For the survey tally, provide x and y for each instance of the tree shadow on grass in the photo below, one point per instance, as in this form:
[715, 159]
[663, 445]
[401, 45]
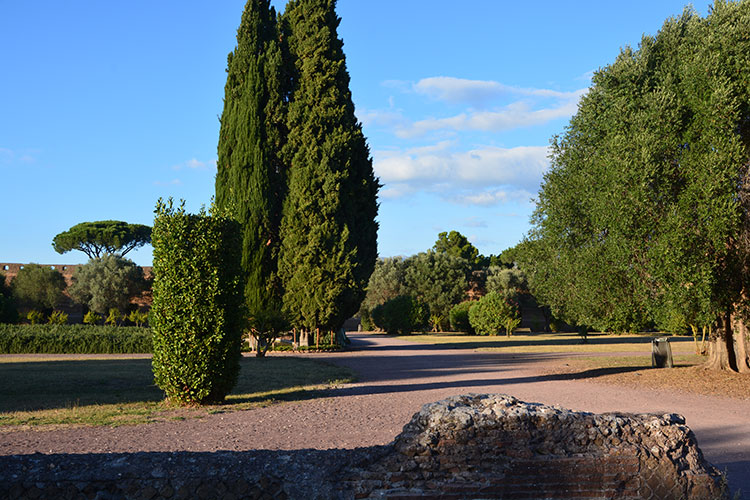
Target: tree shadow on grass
[29, 386]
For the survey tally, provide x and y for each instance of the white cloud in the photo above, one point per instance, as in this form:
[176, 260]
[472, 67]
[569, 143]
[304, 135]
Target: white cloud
[457, 90]
[492, 197]
[488, 106]
[195, 164]
[388, 118]
[516, 115]
[474, 222]
[437, 164]
[485, 176]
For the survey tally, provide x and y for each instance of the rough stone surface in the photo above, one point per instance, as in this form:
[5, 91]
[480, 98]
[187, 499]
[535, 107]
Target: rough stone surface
[494, 446]
[473, 446]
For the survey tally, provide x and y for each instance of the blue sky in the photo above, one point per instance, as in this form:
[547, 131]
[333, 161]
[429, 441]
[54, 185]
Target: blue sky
[105, 107]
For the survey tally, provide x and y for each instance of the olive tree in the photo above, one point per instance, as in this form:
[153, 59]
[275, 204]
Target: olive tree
[38, 287]
[106, 283]
[645, 210]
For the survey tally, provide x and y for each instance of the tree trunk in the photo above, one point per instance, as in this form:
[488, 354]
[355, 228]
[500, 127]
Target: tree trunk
[728, 347]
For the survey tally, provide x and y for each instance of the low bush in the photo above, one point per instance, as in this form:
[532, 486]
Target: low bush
[57, 318]
[91, 318]
[113, 317]
[35, 317]
[459, 317]
[493, 313]
[74, 339]
[365, 319]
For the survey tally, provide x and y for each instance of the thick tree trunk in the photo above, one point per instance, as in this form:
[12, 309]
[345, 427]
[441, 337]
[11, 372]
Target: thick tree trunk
[728, 348]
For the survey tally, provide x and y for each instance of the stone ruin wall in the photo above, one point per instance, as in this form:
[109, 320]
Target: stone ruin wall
[464, 447]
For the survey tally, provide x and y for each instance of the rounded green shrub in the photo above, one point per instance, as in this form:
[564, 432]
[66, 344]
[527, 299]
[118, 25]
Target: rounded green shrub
[493, 313]
[459, 317]
[198, 312]
[401, 315]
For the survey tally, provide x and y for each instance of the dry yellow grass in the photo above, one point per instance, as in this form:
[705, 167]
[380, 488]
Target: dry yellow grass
[688, 375]
[552, 342]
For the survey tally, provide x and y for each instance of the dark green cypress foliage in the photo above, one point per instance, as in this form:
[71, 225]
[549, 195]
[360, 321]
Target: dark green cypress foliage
[328, 230]
[249, 178]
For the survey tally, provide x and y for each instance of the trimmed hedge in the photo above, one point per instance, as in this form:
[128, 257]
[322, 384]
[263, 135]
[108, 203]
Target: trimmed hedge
[198, 314]
[74, 339]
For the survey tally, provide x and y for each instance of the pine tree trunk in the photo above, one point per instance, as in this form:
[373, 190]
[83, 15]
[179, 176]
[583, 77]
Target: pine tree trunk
[728, 349]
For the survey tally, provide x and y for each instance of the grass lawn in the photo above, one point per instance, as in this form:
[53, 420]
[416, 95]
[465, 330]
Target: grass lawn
[117, 390]
[551, 342]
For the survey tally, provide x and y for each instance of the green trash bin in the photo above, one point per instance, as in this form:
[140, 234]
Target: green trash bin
[661, 353]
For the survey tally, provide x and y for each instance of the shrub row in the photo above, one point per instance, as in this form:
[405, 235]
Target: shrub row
[74, 339]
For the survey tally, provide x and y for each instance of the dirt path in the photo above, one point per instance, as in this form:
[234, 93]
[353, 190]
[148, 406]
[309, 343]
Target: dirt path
[395, 379]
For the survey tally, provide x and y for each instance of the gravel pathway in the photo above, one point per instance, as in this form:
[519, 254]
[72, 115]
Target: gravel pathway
[395, 378]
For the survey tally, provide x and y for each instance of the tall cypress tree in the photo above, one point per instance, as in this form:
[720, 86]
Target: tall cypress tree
[250, 173]
[328, 229]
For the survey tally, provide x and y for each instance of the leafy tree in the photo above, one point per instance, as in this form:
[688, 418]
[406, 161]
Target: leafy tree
[459, 317]
[646, 208]
[494, 312]
[8, 311]
[457, 245]
[265, 327]
[38, 287]
[386, 282]
[328, 229]
[400, 315]
[198, 315]
[106, 283]
[438, 279]
[511, 281]
[250, 170]
[100, 238]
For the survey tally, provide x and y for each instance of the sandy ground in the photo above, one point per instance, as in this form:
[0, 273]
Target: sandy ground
[395, 379]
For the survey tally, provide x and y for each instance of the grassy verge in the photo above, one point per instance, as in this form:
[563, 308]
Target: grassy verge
[688, 375]
[551, 342]
[47, 391]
